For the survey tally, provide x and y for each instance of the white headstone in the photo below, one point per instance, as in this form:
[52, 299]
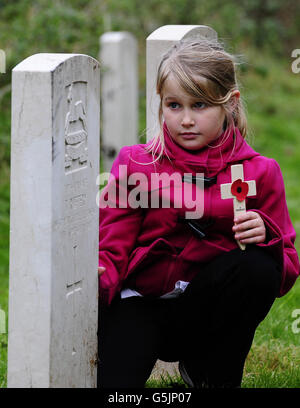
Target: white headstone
[53, 287]
[158, 43]
[119, 93]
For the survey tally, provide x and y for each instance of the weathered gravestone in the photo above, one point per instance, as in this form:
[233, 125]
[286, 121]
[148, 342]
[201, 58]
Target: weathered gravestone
[119, 94]
[158, 43]
[53, 287]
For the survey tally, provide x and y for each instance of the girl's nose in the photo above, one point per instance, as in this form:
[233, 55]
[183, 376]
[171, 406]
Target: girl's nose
[187, 119]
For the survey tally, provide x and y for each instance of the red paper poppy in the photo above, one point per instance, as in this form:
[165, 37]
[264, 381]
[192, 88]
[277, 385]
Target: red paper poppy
[239, 189]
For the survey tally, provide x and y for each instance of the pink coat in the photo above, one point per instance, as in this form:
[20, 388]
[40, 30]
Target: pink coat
[149, 249]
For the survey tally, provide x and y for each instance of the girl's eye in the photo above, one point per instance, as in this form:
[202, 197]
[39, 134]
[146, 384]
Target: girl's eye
[200, 105]
[174, 105]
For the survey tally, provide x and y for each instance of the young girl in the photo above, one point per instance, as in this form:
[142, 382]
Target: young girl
[181, 289]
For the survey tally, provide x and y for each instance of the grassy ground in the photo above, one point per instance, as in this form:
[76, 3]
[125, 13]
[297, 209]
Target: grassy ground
[272, 94]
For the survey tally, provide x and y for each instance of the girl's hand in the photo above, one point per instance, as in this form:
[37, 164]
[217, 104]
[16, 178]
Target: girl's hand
[101, 270]
[249, 228]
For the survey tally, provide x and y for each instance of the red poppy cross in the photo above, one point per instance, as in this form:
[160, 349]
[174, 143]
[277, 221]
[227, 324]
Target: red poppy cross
[238, 189]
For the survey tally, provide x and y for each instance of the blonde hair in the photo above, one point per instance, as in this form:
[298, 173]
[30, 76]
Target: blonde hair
[206, 71]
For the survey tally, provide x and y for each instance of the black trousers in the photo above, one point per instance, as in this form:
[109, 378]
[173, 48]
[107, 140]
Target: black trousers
[210, 327]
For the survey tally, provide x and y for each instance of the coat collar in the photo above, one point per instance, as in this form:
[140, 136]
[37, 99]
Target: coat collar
[229, 147]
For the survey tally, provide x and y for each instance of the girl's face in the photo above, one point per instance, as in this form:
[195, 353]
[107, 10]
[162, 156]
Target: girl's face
[191, 123]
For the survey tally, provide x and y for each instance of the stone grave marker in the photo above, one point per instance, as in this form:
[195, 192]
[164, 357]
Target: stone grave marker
[119, 94]
[53, 283]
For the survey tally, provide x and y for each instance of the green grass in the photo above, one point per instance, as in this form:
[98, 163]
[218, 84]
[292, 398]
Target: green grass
[271, 365]
[272, 94]
[166, 381]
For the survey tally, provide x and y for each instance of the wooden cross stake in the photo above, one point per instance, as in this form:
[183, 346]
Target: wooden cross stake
[239, 205]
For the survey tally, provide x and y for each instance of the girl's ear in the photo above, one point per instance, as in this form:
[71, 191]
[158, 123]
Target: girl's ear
[234, 99]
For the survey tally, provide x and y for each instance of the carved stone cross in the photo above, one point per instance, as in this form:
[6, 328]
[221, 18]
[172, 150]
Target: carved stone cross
[238, 190]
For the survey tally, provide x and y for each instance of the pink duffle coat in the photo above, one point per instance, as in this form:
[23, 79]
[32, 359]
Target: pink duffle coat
[149, 249]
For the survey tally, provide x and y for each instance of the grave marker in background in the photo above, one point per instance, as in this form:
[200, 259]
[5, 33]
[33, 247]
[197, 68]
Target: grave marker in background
[53, 287]
[119, 93]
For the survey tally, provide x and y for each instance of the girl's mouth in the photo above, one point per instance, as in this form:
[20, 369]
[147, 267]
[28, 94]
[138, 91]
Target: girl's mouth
[188, 135]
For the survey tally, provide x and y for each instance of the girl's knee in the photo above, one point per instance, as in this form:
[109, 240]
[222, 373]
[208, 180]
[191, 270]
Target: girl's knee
[260, 270]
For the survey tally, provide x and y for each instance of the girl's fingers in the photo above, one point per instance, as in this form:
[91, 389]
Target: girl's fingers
[253, 240]
[249, 233]
[249, 215]
[246, 225]
[101, 270]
